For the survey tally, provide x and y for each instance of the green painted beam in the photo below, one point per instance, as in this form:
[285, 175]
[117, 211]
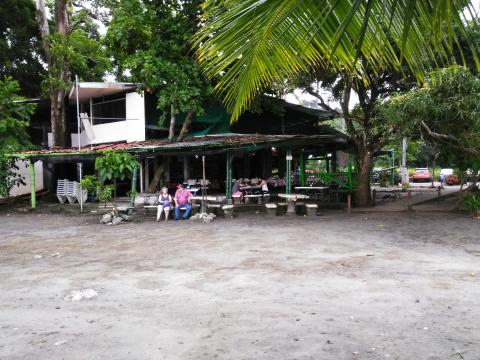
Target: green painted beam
[33, 194]
[134, 187]
[228, 180]
[288, 172]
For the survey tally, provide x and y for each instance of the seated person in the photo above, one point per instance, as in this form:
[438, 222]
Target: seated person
[264, 186]
[164, 204]
[183, 198]
[236, 192]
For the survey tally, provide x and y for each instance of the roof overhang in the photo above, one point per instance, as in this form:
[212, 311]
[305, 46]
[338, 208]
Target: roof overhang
[89, 90]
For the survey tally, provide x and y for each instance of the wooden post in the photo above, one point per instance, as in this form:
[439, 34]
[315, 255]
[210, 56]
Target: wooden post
[228, 180]
[288, 172]
[349, 203]
[33, 194]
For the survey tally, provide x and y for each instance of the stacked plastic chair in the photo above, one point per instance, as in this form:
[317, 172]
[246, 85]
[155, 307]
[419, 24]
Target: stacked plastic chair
[71, 191]
[62, 190]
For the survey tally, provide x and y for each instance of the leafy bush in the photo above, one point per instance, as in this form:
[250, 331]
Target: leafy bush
[115, 165]
[9, 178]
[472, 201]
[93, 185]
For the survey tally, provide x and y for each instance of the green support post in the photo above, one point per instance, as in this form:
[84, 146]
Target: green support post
[393, 168]
[288, 171]
[228, 180]
[33, 195]
[302, 169]
[134, 187]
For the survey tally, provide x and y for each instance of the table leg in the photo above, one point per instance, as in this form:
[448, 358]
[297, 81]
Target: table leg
[291, 207]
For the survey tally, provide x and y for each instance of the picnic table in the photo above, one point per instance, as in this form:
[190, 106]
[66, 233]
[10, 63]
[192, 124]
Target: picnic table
[250, 189]
[314, 190]
[291, 201]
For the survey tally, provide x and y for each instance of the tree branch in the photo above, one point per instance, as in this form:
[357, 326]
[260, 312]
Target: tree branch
[322, 104]
[447, 138]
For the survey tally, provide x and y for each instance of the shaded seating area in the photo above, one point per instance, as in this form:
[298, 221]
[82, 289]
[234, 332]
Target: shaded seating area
[263, 166]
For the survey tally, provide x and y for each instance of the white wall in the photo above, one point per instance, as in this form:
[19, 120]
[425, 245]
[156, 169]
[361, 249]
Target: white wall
[25, 173]
[135, 106]
[129, 130]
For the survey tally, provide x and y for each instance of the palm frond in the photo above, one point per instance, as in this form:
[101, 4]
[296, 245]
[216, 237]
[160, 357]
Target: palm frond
[250, 44]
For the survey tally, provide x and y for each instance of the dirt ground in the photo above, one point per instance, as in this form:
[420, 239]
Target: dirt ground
[376, 286]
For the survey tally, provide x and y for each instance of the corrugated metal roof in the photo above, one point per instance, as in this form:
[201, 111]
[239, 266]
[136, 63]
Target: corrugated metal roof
[208, 142]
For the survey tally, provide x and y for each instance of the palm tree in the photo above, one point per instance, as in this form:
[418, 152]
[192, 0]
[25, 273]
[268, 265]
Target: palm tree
[251, 44]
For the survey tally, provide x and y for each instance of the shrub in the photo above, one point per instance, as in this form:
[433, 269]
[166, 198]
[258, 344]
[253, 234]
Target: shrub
[472, 202]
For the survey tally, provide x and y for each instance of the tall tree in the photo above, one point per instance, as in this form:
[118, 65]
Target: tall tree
[256, 43]
[68, 48]
[20, 47]
[368, 132]
[151, 41]
[446, 111]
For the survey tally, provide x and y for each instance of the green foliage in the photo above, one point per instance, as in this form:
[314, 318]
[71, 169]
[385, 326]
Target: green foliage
[151, 39]
[14, 120]
[104, 192]
[89, 183]
[9, 178]
[14, 117]
[472, 202]
[20, 47]
[84, 55]
[253, 44]
[446, 111]
[115, 165]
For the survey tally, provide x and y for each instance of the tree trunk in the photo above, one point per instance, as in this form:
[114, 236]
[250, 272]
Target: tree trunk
[171, 130]
[362, 196]
[57, 92]
[185, 126]
[156, 178]
[57, 117]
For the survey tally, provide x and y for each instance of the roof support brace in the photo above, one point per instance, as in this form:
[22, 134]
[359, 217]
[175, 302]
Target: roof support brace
[228, 180]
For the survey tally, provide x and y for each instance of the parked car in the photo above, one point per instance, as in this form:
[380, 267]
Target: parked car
[452, 180]
[421, 175]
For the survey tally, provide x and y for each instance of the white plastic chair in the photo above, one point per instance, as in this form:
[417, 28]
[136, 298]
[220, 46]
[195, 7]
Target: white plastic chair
[62, 190]
[71, 191]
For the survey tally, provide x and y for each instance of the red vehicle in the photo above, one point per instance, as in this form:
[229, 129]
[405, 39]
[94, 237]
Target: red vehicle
[421, 175]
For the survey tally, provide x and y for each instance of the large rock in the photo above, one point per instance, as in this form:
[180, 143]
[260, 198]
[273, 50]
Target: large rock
[106, 218]
[116, 220]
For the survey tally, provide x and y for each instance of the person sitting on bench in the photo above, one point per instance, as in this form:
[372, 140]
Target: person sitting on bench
[264, 185]
[164, 204]
[183, 198]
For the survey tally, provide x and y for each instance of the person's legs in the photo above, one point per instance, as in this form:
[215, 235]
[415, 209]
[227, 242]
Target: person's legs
[167, 211]
[159, 211]
[177, 212]
[188, 208]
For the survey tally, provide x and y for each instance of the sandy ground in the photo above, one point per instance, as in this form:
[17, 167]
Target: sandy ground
[376, 286]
